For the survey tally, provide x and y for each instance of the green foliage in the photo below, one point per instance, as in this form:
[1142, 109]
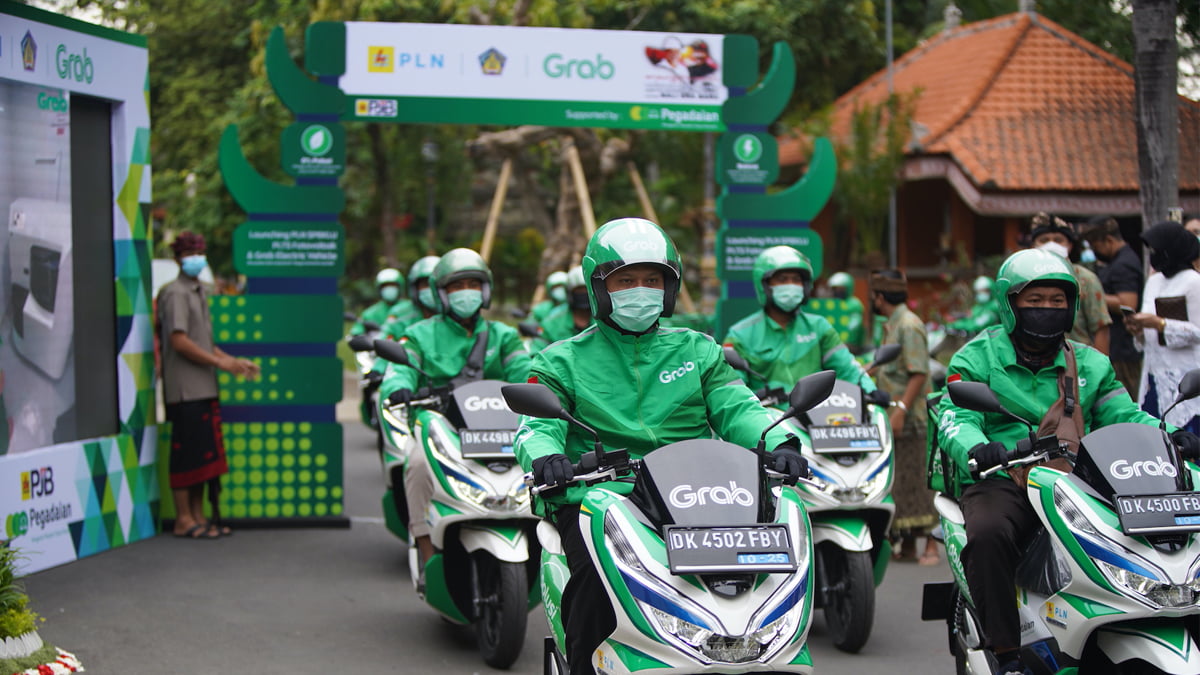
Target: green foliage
[17, 619]
[12, 592]
[47, 654]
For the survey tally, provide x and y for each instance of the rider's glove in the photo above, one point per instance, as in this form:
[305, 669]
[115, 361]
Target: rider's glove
[988, 455]
[1189, 444]
[879, 397]
[374, 378]
[553, 470]
[400, 396]
[786, 460]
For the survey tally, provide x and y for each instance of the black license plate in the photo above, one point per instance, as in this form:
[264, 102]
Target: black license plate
[1151, 514]
[846, 438]
[486, 442]
[749, 548]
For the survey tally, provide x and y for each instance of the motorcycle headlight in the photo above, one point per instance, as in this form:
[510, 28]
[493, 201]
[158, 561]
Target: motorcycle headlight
[685, 630]
[767, 634]
[1153, 590]
[467, 491]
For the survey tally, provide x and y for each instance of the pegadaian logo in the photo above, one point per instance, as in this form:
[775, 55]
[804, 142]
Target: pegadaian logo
[1124, 469]
[477, 403]
[558, 66]
[669, 376]
[684, 497]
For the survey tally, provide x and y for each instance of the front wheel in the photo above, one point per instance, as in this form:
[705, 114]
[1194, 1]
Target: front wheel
[501, 609]
[849, 587]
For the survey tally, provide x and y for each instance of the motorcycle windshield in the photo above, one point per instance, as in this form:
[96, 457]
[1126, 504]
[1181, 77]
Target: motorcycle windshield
[1127, 459]
[701, 482]
[479, 405]
[844, 406]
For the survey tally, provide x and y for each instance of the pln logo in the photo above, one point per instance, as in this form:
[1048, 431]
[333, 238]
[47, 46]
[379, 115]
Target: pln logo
[381, 59]
[28, 52]
[492, 62]
[37, 483]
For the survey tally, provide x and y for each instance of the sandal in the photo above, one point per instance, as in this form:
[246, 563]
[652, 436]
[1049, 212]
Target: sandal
[197, 531]
[217, 530]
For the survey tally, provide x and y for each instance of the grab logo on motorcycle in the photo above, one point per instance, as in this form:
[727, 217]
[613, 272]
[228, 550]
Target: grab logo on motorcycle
[669, 376]
[838, 400]
[477, 403]
[684, 497]
[1123, 469]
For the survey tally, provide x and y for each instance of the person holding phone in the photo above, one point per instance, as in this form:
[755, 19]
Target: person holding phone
[1122, 279]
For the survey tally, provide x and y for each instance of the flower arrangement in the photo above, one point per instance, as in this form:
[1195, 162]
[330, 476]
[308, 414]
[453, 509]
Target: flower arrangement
[22, 651]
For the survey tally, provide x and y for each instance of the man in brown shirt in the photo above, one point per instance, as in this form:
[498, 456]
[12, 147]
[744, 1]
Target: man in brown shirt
[189, 363]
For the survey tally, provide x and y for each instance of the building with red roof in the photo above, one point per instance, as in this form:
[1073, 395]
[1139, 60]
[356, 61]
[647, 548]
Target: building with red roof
[1014, 115]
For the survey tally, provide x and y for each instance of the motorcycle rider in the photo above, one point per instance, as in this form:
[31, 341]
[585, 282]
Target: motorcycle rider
[556, 296]
[389, 283]
[1053, 234]
[984, 312]
[440, 347]
[841, 285]
[640, 386]
[1021, 361]
[421, 303]
[573, 316]
[783, 343]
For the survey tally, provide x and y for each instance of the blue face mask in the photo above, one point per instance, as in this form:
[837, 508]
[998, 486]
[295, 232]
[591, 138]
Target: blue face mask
[636, 309]
[1087, 255]
[787, 296]
[425, 297]
[558, 294]
[389, 293]
[193, 265]
[466, 302]
[982, 297]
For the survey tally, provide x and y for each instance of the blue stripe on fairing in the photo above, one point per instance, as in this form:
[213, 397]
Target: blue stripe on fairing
[1100, 553]
[788, 603]
[450, 471]
[642, 592]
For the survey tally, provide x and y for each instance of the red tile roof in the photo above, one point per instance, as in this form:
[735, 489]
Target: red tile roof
[1021, 103]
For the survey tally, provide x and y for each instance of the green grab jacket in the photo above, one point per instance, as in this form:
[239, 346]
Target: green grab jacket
[541, 310]
[376, 313]
[990, 358]
[439, 345]
[405, 311]
[983, 314]
[785, 354]
[559, 324]
[641, 393]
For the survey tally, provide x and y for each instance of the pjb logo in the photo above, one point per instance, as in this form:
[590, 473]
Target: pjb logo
[37, 483]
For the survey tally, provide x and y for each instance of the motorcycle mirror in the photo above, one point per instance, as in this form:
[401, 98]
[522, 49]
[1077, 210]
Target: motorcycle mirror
[738, 362]
[886, 354]
[1189, 388]
[349, 316]
[361, 343]
[979, 397]
[518, 313]
[371, 326]
[529, 329]
[537, 400]
[390, 350]
[811, 390]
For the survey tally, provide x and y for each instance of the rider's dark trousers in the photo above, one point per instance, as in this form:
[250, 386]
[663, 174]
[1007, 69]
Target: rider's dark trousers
[587, 615]
[999, 522]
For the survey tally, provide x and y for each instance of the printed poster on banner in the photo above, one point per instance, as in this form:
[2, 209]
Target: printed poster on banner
[632, 79]
[39, 502]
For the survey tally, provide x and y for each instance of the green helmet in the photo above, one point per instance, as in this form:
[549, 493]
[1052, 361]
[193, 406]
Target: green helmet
[777, 258]
[389, 275]
[461, 263]
[421, 269]
[982, 284]
[841, 280]
[558, 278]
[575, 277]
[629, 241]
[1039, 268]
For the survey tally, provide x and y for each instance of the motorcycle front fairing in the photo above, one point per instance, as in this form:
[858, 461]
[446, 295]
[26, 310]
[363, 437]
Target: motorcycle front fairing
[721, 622]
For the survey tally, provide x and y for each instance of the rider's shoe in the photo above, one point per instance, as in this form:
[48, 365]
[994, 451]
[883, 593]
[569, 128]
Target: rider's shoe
[1014, 667]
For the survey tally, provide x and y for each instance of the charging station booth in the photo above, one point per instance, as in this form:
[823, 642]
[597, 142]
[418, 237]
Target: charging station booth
[77, 429]
[282, 438]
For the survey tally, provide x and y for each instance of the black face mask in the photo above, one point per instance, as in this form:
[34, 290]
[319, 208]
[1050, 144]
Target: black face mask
[1042, 328]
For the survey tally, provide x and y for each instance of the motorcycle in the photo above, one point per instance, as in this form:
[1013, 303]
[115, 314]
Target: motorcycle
[480, 522]
[852, 511]
[1111, 583]
[705, 574]
[364, 357]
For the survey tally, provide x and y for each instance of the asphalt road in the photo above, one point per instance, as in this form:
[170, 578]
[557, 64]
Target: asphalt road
[301, 601]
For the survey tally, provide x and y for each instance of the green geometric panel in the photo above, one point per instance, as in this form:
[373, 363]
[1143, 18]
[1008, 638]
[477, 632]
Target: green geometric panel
[283, 470]
[276, 318]
[293, 380]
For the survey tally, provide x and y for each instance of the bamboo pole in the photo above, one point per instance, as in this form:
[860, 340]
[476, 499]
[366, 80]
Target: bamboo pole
[493, 221]
[581, 191]
[649, 213]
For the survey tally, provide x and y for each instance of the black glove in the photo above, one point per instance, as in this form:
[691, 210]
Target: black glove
[1189, 444]
[879, 397]
[374, 378]
[787, 461]
[988, 455]
[400, 396]
[553, 470]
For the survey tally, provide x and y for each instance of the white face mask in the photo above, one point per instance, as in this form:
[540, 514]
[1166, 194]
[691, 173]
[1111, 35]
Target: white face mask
[1056, 248]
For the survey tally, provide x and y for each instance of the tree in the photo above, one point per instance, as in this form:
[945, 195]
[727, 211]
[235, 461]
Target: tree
[1155, 64]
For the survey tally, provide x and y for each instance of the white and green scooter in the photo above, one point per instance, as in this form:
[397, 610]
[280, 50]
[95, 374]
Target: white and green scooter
[850, 503]
[707, 564]
[1112, 583]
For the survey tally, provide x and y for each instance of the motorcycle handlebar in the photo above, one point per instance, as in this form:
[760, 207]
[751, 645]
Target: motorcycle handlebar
[973, 466]
[609, 474]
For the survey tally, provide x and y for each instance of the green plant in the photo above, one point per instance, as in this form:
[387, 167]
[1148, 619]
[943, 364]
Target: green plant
[15, 617]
